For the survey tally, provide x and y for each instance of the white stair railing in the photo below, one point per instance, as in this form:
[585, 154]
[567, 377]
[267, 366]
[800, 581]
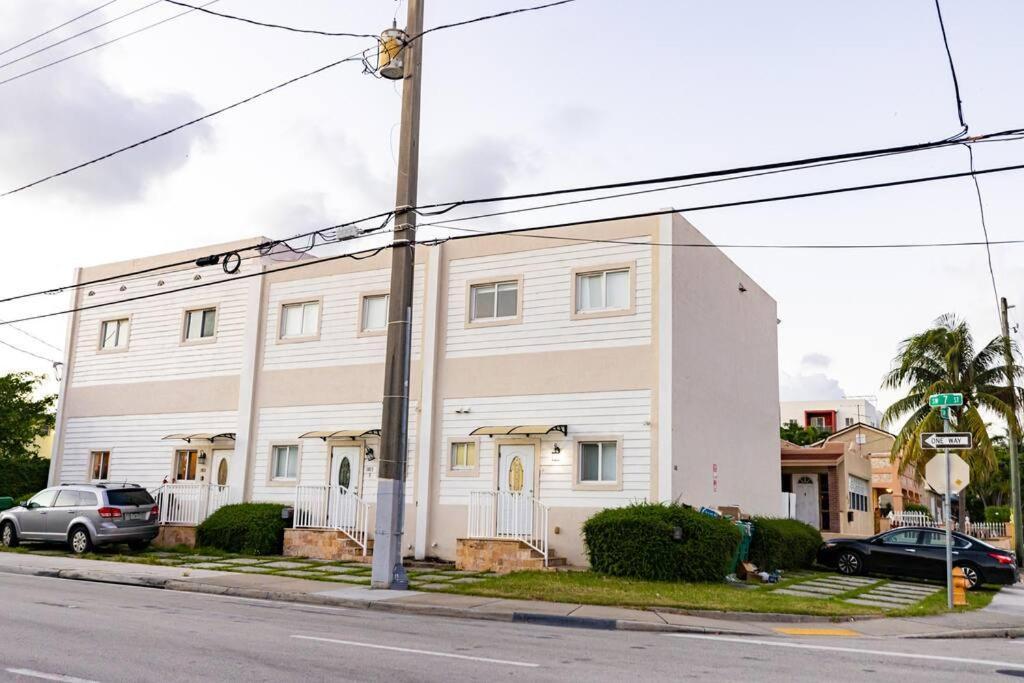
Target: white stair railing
[333, 507]
[190, 504]
[509, 515]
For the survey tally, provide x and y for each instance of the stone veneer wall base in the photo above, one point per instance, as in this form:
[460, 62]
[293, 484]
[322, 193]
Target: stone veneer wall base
[323, 544]
[172, 536]
[495, 555]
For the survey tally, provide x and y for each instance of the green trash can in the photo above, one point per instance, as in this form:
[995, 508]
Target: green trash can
[6, 502]
[746, 533]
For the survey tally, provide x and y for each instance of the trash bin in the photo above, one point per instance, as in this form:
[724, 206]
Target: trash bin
[746, 533]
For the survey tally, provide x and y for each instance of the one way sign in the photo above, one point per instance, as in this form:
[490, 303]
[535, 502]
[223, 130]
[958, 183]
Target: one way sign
[954, 441]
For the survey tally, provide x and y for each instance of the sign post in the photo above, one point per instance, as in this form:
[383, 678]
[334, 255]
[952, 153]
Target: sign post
[947, 440]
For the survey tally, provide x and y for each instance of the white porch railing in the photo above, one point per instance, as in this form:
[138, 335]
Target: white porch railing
[912, 519]
[980, 530]
[987, 530]
[507, 515]
[190, 504]
[333, 507]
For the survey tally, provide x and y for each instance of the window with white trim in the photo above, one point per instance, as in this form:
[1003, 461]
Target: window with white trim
[99, 465]
[858, 493]
[114, 334]
[375, 312]
[200, 324]
[606, 290]
[463, 456]
[494, 300]
[300, 320]
[186, 464]
[598, 462]
[284, 465]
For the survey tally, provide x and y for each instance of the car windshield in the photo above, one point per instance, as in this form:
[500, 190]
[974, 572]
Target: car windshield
[129, 497]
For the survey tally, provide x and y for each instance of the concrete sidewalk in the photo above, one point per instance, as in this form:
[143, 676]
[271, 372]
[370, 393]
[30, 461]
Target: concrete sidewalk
[1004, 618]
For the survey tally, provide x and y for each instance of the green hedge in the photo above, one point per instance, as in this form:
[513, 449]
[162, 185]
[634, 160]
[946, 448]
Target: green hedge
[248, 528]
[637, 541]
[917, 507]
[997, 513]
[22, 477]
[783, 544]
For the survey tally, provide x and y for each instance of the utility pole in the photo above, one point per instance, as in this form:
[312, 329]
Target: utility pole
[1014, 464]
[947, 505]
[387, 550]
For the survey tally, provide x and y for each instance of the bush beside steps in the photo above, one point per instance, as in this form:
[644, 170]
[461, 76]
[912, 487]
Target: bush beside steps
[246, 528]
[660, 542]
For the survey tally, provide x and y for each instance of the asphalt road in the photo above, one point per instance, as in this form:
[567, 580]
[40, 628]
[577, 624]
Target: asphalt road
[54, 629]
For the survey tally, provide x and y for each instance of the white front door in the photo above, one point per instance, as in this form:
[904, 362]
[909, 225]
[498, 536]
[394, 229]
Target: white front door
[515, 489]
[805, 487]
[219, 479]
[346, 468]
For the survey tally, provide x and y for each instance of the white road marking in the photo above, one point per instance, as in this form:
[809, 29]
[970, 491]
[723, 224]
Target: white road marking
[392, 648]
[48, 677]
[854, 650]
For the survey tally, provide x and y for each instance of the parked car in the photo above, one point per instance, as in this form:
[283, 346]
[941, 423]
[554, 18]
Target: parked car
[920, 552]
[83, 516]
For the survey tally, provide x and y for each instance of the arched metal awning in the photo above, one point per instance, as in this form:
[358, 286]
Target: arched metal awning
[188, 437]
[351, 434]
[519, 430]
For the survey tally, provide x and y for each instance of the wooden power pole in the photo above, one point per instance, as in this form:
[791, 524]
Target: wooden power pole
[1014, 434]
[387, 549]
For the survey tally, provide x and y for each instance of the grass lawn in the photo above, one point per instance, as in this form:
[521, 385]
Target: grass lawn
[596, 589]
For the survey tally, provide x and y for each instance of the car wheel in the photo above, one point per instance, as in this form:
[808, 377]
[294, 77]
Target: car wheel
[972, 575]
[850, 563]
[79, 540]
[138, 545]
[8, 536]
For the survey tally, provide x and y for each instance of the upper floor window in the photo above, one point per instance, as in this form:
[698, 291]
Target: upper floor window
[300, 320]
[99, 466]
[114, 334]
[374, 317]
[604, 291]
[494, 301]
[200, 324]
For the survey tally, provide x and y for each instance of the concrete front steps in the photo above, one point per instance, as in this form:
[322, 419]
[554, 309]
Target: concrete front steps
[502, 555]
[325, 544]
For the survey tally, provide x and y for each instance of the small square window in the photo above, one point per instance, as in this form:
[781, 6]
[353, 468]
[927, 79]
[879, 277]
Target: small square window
[186, 464]
[375, 313]
[598, 462]
[285, 465]
[463, 456]
[300, 320]
[99, 466]
[114, 334]
[606, 290]
[494, 301]
[200, 324]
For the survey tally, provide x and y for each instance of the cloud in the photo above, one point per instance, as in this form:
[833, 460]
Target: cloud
[481, 168]
[815, 361]
[68, 114]
[808, 387]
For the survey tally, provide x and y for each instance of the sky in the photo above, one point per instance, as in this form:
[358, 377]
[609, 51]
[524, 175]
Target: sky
[590, 92]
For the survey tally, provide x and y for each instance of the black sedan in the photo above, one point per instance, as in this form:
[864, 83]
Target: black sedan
[920, 552]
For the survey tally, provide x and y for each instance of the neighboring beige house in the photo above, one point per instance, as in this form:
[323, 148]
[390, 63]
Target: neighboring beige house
[552, 376]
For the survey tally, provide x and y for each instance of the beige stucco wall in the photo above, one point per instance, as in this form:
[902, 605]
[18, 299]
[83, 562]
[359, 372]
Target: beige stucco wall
[726, 386]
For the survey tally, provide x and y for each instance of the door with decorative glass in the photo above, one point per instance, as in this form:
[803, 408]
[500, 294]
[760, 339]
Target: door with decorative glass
[515, 489]
[346, 466]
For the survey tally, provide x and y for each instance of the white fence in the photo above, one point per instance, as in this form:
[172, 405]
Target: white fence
[190, 504]
[332, 507]
[507, 515]
[980, 530]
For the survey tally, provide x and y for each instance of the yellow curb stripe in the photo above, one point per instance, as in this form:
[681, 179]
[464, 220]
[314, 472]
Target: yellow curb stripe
[817, 631]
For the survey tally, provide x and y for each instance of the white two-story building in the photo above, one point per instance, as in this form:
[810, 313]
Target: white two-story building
[552, 376]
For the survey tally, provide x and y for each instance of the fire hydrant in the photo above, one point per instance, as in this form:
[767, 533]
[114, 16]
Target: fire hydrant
[960, 586]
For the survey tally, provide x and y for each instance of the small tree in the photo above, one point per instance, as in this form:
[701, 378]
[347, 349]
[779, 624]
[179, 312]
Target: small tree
[801, 436]
[22, 417]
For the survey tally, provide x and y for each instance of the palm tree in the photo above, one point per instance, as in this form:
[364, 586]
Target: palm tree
[943, 360]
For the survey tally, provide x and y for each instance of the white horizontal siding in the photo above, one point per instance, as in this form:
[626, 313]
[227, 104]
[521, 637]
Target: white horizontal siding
[137, 452]
[155, 351]
[619, 414]
[339, 342]
[547, 324]
[282, 426]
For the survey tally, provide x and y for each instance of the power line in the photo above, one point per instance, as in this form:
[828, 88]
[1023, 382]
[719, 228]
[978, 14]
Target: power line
[277, 26]
[99, 45]
[34, 355]
[507, 13]
[38, 339]
[58, 26]
[952, 70]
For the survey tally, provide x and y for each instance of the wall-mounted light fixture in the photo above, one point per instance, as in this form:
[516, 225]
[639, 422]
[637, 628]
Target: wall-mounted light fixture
[370, 457]
[202, 457]
[556, 450]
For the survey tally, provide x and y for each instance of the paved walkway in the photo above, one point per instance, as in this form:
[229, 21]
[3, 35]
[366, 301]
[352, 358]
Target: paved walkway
[1006, 617]
[860, 590]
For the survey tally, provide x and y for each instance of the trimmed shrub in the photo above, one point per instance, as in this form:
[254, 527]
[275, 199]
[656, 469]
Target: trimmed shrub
[997, 513]
[248, 528]
[783, 544]
[917, 507]
[638, 542]
[22, 477]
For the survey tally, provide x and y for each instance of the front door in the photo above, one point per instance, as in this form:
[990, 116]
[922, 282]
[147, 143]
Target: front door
[346, 467]
[515, 489]
[221, 468]
[806, 490]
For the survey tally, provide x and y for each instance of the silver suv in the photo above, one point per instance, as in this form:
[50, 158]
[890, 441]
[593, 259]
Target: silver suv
[84, 516]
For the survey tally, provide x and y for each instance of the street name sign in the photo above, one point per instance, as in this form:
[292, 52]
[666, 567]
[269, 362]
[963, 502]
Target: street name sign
[959, 473]
[955, 441]
[937, 400]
